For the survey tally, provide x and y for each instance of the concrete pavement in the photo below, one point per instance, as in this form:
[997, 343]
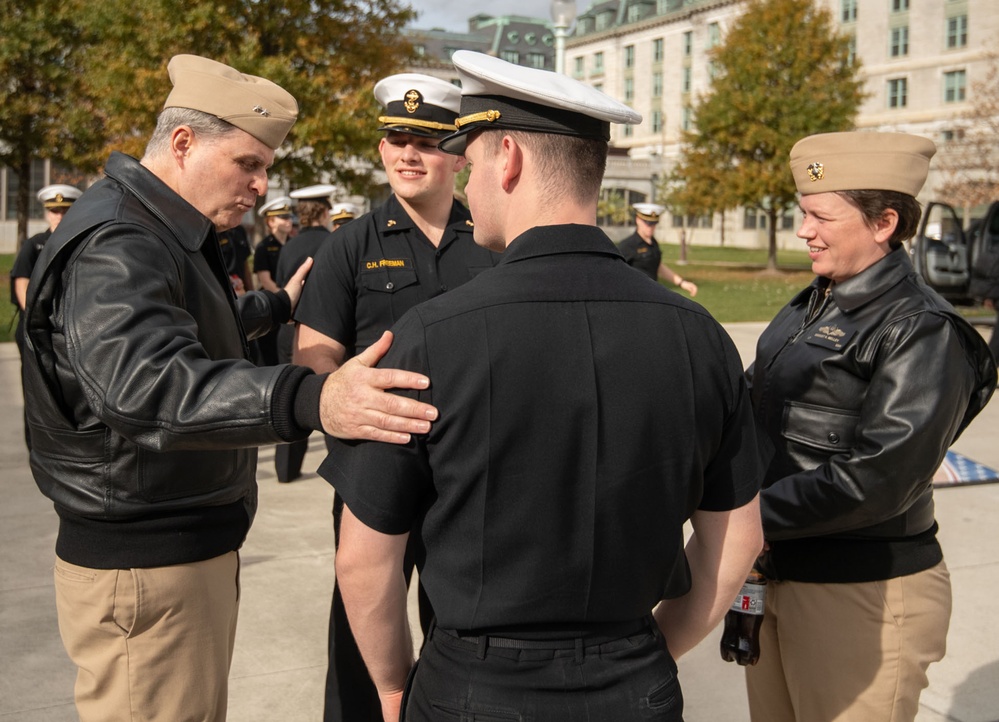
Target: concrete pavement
[287, 577]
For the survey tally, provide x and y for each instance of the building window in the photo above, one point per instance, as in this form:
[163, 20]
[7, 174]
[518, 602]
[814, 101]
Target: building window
[657, 121]
[449, 52]
[712, 69]
[899, 6]
[954, 86]
[420, 50]
[629, 131]
[598, 63]
[787, 221]
[851, 53]
[634, 13]
[629, 90]
[688, 43]
[957, 31]
[604, 20]
[749, 219]
[899, 41]
[686, 79]
[578, 67]
[688, 117]
[536, 60]
[513, 36]
[714, 35]
[657, 50]
[629, 56]
[952, 135]
[511, 56]
[531, 38]
[848, 11]
[657, 85]
[898, 92]
[598, 86]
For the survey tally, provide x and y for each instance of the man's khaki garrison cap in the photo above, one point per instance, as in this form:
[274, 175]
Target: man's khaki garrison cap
[860, 161]
[263, 109]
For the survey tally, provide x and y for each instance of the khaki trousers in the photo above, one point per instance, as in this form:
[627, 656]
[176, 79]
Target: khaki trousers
[849, 652]
[150, 644]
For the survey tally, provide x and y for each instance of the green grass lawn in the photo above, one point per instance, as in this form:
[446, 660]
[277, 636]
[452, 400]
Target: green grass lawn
[732, 283]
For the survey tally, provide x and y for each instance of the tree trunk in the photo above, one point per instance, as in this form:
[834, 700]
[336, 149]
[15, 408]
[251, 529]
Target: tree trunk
[23, 173]
[772, 239]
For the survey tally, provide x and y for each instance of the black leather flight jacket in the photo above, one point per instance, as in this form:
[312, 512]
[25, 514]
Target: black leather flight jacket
[140, 398]
[861, 387]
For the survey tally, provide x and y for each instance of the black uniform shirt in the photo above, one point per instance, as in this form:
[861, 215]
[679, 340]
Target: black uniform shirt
[555, 484]
[265, 257]
[646, 257]
[307, 243]
[381, 266]
[24, 262]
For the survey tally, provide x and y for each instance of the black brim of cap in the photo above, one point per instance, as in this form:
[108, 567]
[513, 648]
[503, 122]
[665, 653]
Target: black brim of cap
[456, 142]
[415, 130]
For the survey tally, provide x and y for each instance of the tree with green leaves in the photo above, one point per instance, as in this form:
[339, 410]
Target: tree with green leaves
[782, 73]
[45, 107]
[327, 53]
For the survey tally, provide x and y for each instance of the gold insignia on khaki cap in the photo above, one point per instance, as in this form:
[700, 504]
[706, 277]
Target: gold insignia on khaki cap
[256, 105]
[649, 212]
[861, 161]
[58, 196]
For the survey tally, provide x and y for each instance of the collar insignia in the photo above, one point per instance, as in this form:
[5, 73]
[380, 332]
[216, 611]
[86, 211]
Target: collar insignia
[469, 224]
[390, 222]
[262, 111]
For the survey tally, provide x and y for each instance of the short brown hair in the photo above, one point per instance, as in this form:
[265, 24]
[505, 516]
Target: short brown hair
[873, 204]
[311, 212]
[568, 165]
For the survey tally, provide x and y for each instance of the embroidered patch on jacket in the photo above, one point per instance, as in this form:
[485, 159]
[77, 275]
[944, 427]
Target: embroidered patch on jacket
[830, 335]
[374, 265]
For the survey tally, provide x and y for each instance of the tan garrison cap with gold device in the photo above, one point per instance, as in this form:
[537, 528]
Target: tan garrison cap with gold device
[855, 161]
[263, 109]
[418, 104]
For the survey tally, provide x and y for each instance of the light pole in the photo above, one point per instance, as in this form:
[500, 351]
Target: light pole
[563, 16]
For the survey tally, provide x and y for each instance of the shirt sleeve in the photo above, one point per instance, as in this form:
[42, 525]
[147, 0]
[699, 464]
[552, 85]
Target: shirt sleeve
[738, 458]
[386, 485]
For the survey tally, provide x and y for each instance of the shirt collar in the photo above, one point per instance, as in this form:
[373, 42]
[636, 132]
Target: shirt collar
[554, 240]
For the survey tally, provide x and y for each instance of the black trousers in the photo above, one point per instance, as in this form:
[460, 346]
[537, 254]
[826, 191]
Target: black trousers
[350, 694]
[500, 679]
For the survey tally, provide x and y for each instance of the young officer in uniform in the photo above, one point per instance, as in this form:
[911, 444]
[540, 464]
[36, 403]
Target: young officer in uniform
[415, 246]
[342, 214]
[313, 207]
[641, 250]
[550, 530]
[277, 217]
[56, 199]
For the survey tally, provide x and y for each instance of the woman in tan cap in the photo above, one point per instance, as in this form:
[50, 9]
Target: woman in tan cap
[861, 383]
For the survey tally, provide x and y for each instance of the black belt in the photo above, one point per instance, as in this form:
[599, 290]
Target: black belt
[586, 636]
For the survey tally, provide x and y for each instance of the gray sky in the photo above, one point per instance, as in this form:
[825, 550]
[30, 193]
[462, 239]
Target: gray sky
[452, 15]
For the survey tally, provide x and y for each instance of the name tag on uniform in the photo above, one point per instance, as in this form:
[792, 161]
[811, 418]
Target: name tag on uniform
[830, 335]
[388, 263]
[642, 250]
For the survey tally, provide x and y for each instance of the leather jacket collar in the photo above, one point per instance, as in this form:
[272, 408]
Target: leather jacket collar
[187, 224]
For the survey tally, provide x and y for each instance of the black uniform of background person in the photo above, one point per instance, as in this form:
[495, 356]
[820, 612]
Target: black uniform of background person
[288, 458]
[235, 244]
[56, 200]
[277, 216]
[550, 528]
[645, 254]
[265, 258]
[415, 246]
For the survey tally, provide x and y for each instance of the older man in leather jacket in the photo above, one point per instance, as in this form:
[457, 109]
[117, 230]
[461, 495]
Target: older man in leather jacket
[146, 408]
